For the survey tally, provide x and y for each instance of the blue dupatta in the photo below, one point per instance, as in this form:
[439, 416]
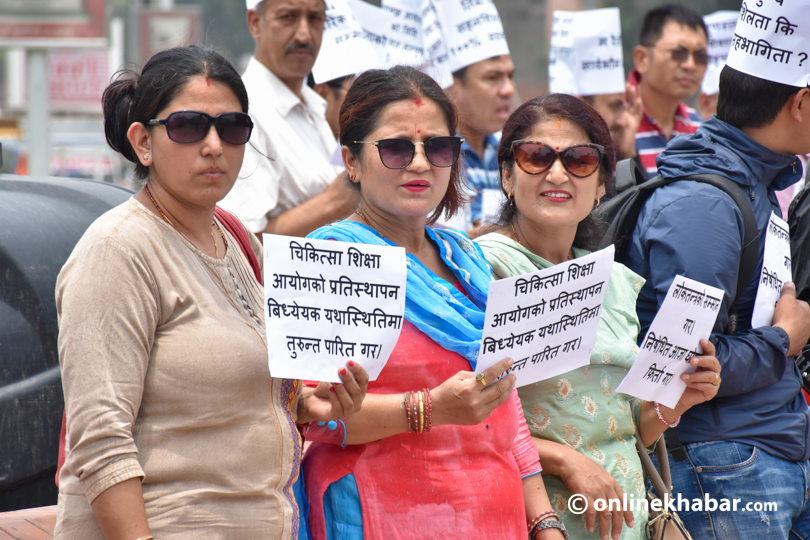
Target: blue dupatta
[433, 305]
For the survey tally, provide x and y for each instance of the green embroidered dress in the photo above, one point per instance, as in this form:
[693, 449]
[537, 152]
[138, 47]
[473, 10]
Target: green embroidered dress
[581, 409]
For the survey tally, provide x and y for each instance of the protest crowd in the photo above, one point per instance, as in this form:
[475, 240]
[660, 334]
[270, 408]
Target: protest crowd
[661, 247]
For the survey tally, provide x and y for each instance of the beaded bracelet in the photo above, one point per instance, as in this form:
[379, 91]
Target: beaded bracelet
[407, 402]
[542, 517]
[661, 417]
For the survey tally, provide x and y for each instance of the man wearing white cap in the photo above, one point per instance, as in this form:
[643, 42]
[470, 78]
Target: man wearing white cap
[750, 444]
[483, 92]
[287, 184]
[670, 63]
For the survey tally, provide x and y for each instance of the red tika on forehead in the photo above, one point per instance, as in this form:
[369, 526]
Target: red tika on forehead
[418, 102]
[207, 81]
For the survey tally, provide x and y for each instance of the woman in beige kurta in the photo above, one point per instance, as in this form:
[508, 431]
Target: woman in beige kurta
[175, 426]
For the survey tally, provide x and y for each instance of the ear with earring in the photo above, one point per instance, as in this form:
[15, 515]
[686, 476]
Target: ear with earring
[147, 156]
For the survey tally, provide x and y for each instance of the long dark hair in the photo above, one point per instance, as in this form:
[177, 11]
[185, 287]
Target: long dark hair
[559, 107]
[368, 97]
[136, 97]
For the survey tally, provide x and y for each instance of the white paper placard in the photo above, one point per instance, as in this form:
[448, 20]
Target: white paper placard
[772, 41]
[330, 302]
[346, 48]
[598, 60]
[775, 271]
[721, 25]
[686, 316]
[437, 59]
[586, 53]
[561, 54]
[546, 321]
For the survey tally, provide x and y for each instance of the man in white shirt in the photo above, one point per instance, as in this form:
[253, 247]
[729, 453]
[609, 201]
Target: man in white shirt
[286, 184]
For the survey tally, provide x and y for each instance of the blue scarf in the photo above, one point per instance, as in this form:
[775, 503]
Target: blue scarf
[433, 305]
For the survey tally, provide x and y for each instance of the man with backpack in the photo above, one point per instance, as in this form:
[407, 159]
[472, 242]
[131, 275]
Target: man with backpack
[752, 442]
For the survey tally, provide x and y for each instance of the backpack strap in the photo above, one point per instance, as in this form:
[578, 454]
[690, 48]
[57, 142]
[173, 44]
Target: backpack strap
[750, 248]
[238, 231]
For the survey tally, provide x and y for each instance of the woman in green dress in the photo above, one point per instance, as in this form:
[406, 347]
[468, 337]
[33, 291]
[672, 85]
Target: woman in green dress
[556, 159]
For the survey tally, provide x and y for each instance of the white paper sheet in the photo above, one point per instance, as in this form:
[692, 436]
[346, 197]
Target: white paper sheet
[405, 43]
[330, 302]
[686, 316]
[772, 41]
[561, 54]
[491, 202]
[598, 60]
[721, 25]
[775, 271]
[437, 59]
[586, 53]
[546, 321]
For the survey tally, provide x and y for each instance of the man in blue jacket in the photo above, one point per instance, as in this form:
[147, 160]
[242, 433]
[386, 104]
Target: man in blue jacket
[750, 443]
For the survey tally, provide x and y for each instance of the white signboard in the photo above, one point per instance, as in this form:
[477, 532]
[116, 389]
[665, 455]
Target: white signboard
[775, 272]
[598, 61]
[472, 31]
[546, 321]
[330, 302]
[772, 41]
[721, 25]
[405, 42]
[561, 56]
[437, 59]
[686, 316]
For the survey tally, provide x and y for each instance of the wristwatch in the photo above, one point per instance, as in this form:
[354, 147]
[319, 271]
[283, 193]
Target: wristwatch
[552, 524]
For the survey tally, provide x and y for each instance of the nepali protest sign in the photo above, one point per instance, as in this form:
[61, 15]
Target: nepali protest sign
[775, 272]
[686, 316]
[330, 302]
[772, 41]
[546, 321]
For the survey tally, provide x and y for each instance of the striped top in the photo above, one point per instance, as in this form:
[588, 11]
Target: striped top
[650, 138]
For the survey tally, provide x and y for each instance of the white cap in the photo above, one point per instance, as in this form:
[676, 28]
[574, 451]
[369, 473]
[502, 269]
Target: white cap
[772, 42]
[472, 31]
[346, 48]
[252, 3]
[720, 26]
[586, 53]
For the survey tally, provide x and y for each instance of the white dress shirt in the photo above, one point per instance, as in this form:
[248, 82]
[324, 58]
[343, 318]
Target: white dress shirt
[297, 144]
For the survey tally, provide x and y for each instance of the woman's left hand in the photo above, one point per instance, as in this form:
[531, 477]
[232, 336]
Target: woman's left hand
[330, 401]
[703, 384]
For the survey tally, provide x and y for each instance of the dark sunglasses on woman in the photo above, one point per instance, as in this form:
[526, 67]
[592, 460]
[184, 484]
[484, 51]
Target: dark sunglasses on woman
[535, 157]
[192, 126]
[399, 153]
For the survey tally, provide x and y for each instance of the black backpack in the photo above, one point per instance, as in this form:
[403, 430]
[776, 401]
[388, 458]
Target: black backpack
[622, 212]
[799, 222]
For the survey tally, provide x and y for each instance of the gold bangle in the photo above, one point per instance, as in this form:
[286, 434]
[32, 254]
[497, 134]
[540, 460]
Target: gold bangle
[421, 414]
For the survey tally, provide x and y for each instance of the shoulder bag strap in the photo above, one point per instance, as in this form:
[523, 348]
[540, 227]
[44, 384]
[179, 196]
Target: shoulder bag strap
[238, 231]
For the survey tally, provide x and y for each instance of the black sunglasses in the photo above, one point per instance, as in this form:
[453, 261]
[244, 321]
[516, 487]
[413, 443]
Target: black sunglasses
[193, 126]
[535, 157]
[399, 153]
[682, 54]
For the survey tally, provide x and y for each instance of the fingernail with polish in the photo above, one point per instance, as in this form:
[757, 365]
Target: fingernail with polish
[351, 363]
[331, 388]
[343, 371]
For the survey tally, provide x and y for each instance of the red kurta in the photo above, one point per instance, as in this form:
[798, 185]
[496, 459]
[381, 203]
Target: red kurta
[454, 482]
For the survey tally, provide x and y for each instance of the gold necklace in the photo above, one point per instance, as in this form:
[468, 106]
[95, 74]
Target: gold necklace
[214, 224]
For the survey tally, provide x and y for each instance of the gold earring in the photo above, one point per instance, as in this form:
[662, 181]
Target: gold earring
[511, 198]
[596, 203]
[147, 156]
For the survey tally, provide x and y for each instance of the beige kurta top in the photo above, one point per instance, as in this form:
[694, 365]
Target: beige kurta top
[164, 367]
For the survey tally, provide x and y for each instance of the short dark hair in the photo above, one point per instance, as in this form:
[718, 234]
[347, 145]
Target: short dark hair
[461, 74]
[654, 21]
[563, 107]
[137, 97]
[746, 101]
[369, 96]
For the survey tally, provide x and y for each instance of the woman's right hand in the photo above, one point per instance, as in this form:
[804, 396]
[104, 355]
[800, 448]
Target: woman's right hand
[585, 477]
[464, 401]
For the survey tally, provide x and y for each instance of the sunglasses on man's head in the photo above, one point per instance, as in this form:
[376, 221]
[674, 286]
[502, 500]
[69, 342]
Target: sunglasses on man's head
[193, 126]
[535, 157]
[399, 153]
